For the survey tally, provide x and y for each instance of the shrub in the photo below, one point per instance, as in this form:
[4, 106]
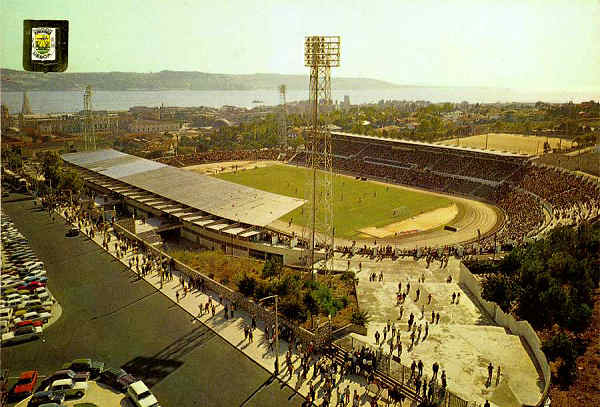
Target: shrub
[347, 276]
[360, 318]
[247, 285]
[293, 308]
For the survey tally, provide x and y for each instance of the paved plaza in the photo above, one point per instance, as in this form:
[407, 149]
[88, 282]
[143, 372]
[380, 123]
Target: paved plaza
[464, 341]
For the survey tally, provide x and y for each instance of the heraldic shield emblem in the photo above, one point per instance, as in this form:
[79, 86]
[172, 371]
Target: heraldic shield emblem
[43, 47]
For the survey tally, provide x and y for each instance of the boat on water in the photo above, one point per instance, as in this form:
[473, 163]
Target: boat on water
[258, 101]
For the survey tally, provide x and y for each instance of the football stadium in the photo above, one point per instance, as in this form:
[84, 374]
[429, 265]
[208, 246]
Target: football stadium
[400, 207]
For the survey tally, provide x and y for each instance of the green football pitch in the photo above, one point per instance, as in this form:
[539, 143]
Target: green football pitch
[358, 204]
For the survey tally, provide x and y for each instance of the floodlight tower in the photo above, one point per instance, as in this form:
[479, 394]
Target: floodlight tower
[282, 117]
[89, 135]
[321, 53]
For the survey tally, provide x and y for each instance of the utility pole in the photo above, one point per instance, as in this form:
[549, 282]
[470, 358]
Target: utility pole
[276, 333]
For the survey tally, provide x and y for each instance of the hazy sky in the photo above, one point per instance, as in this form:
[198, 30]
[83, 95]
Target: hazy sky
[544, 45]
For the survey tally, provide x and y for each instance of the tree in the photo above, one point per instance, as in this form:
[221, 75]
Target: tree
[247, 285]
[498, 288]
[51, 167]
[269, 270]
[70, 180]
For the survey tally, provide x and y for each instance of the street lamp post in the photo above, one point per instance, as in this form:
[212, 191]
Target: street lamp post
[276, 333]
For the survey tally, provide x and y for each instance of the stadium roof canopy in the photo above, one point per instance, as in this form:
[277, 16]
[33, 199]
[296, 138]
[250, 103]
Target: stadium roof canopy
[212, 195]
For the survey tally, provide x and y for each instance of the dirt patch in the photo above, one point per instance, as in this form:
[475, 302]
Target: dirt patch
[425, 221]
[515, 143]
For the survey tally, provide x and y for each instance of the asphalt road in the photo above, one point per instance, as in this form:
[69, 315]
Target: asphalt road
[111, 316]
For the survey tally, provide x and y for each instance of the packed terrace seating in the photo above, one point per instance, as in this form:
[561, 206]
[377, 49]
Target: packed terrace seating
[219, 156]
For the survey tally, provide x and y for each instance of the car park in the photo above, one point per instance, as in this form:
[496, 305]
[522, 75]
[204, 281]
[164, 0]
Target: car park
[141, 395]
[69, 387]
[25, 302]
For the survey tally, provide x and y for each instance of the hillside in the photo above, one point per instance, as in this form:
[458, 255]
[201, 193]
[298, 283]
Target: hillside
[13, 80]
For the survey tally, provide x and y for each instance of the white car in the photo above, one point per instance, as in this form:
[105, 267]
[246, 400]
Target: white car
[69, 387]
[42, 294]
[141, 395]
[13, 303]
[6, 314]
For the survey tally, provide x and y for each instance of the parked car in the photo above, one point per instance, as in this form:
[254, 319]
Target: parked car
[63, 374]
[28, 316]
[69, 387]
[22, 334]
[141, 395]
[13, 303]
[6, 314]
[72, 232]
[28, 322]
[85, 365]
[25, 385]
[116, 378]
[44, 397]
[32, 286]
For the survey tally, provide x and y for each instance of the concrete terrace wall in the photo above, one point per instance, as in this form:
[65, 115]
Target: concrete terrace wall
[521, 328]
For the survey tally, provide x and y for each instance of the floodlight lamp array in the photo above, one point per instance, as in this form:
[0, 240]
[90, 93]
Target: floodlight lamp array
[322, 51]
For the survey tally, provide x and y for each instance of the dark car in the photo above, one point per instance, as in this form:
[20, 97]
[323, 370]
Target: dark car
[72, 232]
[85, 365]
[43, 397]
[63, 374]
[116, 378]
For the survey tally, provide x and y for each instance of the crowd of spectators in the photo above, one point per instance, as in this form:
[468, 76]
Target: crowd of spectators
[220, 156]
